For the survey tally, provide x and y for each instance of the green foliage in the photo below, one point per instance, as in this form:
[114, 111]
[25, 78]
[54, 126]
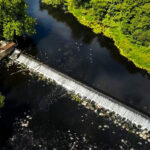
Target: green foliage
[2, 98]
[127, 22]
[14, 19]
[76, 98]
[54, 2]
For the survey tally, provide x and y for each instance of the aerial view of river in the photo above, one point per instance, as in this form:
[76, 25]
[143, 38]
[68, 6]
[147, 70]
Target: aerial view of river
[42, 116]
[63, 43]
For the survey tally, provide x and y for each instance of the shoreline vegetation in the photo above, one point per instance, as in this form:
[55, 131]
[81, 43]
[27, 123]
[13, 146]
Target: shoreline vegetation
[127, 22]
[14, 20]
[2, 99]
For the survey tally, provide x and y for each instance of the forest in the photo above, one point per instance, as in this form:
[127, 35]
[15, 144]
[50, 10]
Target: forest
[127, 22]
[14, 20]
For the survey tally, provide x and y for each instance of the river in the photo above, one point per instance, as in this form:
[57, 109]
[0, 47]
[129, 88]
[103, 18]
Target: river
[54, 121]
[63, 43]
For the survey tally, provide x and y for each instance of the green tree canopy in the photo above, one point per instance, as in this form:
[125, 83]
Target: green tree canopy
[14, 19]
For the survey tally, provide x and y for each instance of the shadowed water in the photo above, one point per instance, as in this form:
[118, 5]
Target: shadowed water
[42, 117]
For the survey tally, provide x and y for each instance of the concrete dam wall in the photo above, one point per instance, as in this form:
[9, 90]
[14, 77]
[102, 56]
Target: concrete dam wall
[84, 91]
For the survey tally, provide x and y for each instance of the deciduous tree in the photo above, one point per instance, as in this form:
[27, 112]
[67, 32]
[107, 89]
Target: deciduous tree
[14, 20]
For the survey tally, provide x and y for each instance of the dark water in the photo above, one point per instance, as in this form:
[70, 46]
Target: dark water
[40, 116]
[65, 44]
[37, 116]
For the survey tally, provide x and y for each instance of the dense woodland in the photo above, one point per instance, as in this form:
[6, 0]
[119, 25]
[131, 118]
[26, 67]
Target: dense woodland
[127, 22]
[14, 20]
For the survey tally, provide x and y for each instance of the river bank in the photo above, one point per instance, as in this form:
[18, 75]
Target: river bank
[133, 50]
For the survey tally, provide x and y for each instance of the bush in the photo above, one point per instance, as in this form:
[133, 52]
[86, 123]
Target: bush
[14, 20]
[2, 99]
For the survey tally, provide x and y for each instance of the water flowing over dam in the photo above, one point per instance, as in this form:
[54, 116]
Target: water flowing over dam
[70, 84]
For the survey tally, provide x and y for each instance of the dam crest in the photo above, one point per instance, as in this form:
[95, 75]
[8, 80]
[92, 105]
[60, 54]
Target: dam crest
[83, 90]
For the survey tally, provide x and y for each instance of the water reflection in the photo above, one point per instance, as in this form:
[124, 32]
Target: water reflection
[77, 30]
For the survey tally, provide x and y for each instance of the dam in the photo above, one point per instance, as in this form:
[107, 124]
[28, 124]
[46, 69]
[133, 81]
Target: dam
[83, 90]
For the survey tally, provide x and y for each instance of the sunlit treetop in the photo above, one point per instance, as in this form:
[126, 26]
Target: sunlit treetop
[14, 20]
